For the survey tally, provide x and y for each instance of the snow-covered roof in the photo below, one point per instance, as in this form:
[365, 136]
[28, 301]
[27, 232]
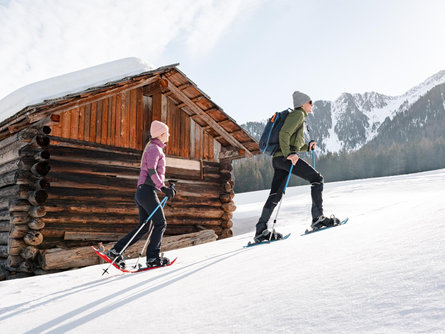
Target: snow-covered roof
[34, 102]
[70, 83]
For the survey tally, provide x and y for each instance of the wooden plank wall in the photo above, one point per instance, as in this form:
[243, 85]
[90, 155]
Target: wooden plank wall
[118, 120]
[123, 120]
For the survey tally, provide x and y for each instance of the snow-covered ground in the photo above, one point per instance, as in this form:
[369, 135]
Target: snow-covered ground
[383, 272]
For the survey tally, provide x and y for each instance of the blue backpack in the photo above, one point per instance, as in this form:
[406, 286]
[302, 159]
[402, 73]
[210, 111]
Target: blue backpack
[270, 141]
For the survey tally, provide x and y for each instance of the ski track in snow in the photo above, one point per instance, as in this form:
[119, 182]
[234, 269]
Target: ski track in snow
[380, 273]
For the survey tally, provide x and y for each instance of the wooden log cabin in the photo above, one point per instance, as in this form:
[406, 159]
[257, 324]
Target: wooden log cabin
[69, 165]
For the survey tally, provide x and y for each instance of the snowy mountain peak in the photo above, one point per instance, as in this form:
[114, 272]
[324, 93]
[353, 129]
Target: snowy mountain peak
[424, 87]
[355, 119]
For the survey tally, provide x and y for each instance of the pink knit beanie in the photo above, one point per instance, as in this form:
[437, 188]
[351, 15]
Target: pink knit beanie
[157, 128]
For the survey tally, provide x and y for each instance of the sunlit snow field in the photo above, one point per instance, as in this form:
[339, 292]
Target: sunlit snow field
[383, 272]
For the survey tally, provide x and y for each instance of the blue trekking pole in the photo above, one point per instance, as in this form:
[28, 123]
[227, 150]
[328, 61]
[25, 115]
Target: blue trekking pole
[313, 159]
[279, 204]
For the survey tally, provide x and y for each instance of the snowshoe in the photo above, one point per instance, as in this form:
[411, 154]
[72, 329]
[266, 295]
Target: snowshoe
[266, 235]
[323, 221]
[159, 261]
[118, 259]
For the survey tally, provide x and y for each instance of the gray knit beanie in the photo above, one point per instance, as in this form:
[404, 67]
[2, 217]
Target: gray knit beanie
[300, 99]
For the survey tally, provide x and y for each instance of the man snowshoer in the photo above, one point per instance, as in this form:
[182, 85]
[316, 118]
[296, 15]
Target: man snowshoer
[291, 139]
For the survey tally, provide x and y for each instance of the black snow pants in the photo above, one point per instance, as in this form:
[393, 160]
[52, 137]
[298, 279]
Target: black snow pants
[147, 200]
[281, 167]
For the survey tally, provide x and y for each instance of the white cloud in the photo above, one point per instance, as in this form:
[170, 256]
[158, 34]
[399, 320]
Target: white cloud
[45, 38]
[212, 19]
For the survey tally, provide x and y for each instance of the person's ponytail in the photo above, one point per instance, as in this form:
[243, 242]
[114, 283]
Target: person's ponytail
[145, 149]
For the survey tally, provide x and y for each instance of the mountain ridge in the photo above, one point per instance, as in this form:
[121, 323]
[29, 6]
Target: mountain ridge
[355, 119]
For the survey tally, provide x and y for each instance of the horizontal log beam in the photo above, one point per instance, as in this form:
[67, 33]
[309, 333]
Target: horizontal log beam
[84, 256]
[124, 215]
[15, 246]
[18, 231]
[17, 220]
[8, 179]
[62, 195]
[24, 135]
[18, 205]
[67, 231]
[6, 151]
[63, 217]
[22, 163]
[118, 207]
[4, 204]
[96, 236]
[61, 166]
[4, 226]
[4, 238]
[184, 229]
[5, 215]
[3, 252]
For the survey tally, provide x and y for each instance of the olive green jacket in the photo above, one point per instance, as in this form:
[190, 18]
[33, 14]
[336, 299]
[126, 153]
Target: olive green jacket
[292, 134]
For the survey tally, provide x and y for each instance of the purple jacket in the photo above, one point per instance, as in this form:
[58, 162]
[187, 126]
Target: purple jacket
[153, 165]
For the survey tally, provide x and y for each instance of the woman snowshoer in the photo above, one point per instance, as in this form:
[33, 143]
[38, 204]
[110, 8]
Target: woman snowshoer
[151, 179]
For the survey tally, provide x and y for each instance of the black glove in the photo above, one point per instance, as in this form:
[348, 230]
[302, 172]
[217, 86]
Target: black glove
[169, 192]
[309, 145]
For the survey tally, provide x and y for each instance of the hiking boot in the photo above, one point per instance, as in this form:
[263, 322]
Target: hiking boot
[323, 221]
[266, 236]
[320, 222]
[159, 261]
[334, 220]
[118, 259]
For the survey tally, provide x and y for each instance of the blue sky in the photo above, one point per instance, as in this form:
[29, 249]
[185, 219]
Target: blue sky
[248, 55]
